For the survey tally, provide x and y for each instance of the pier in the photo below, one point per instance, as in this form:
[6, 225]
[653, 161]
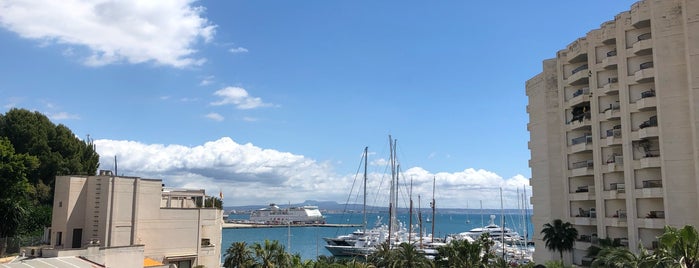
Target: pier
[228, 225]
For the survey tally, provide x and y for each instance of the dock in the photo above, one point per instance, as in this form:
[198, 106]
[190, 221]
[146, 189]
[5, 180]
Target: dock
[228, 225]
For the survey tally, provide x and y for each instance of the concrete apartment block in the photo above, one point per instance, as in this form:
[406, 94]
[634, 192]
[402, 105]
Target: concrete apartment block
[129, 219]
[614, 129]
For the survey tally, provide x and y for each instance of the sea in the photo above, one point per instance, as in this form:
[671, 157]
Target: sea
[309, 244]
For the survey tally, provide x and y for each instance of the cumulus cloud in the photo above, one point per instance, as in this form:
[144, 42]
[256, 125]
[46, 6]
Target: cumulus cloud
[63, 116]
[207, 80]
[249, 175]
[215, 117]
[113, 31]
[238, 97]
[238, 50]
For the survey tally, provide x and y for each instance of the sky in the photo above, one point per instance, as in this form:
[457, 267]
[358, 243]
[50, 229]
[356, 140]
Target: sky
[274, 101]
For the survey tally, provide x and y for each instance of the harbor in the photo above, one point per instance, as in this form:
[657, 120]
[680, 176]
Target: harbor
[231, 225]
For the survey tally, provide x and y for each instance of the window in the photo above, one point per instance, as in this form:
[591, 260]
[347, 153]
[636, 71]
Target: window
[59, 237]
[206, 242]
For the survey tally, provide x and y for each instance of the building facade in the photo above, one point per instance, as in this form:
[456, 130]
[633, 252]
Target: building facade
[131, 214]
[614, 129]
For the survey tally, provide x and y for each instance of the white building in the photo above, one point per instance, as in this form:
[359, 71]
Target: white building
[614, 125]
[122, 221]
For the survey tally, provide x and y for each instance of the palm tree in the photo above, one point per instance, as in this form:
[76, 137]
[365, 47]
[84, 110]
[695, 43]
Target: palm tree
[383, 257]
[238, 255]
[622, 257]
[408, 256]
[679, 247]
[559, 236]
[460, 254]
[271, 254]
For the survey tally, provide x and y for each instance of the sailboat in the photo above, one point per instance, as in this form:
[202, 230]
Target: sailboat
[366, 241]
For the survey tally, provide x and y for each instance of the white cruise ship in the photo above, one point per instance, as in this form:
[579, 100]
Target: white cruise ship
[291, 215]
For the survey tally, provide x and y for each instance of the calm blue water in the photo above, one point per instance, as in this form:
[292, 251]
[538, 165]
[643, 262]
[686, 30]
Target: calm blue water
[309, 243]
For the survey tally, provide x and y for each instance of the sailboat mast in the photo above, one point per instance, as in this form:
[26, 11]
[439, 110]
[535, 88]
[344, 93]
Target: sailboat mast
[410, 217]
[391, 213]
[366, 155]
[434, 179]
[502, 223]
[419, 217]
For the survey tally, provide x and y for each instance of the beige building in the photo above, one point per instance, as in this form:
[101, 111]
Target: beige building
[614, 125]
[120, 221]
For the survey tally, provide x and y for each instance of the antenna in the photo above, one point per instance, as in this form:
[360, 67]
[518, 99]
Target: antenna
[115, 166]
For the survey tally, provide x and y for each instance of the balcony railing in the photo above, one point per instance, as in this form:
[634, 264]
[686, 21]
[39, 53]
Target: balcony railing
[648, 94]
[583, 139]
[614, 132]
[619, 187]
[583, 164]
[656, 214]
[592, 213]
[579, 68]
[611, 53]
[646, 65]
[644, 36]
[651, 122]
[615, 158]
[620, 213]
[652, 184]
[612, 80]
[581, 92]
[613, 107]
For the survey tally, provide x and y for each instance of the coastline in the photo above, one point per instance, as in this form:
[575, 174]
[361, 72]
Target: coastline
[227, 225]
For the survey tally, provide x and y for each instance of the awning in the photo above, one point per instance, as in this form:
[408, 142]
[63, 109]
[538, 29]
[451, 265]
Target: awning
[181, 257]
[148, 262]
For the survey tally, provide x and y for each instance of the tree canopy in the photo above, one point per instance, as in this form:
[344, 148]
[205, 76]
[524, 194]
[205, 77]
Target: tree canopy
[34, 151]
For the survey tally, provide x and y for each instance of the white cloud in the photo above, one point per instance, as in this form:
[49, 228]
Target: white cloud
[239, 97]
[251, 175]
[238, 50]
[214, 116]
[207, 80]
[113, 31]
[249, 119]
[63, 116]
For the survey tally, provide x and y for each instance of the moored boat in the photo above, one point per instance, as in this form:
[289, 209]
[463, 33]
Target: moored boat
[291, 215]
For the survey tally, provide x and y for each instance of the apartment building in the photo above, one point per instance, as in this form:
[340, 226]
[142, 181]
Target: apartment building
[614, 129]
[121, 221]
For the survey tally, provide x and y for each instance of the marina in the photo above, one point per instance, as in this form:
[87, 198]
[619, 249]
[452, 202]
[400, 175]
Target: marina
[229, 225]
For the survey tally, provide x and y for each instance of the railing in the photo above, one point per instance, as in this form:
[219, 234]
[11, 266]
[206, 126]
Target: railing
[587, 139]
[581, 91]
[579, 68]
[620, 213]
[615, 158]
[612, 80]
[614, 132]
[646, 65]
[592, 213]
[580, 116]
[656, 214]
[651, 122]
[583, 164]
[648, 94]
[583, 189]
[619, 187]
[644, 36]
[652, 184]
[611, 53]
[613, 107]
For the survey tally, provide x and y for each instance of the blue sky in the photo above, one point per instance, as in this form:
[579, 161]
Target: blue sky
[273, 101]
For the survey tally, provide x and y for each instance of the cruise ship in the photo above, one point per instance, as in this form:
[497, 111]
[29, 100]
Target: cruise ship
[291, 215]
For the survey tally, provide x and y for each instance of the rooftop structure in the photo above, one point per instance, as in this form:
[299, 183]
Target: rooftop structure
[121, 221]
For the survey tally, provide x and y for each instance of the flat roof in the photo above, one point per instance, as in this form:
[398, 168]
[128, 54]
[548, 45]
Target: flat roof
[58, 262]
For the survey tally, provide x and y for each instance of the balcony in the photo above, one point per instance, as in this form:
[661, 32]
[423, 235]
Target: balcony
[640, 15]
[611, 87]
[643, 46]
[611, 61]
[583, 193]
[647, 162]
[585, 217]
[580, 144]
[615, 163]
[651, 122]
[582, 168]
[619, 219]
[612, 112]
[644, 133]
[645, 74]
[578, 76]
[650, 189]
[653, 219]
[579, 96]
[646, 102]
[616, 191]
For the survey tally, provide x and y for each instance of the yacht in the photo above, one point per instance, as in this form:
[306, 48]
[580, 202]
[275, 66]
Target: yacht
[496, 232]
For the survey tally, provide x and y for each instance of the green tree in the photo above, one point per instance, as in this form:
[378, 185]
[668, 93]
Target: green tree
[238, 255]
[679, 247]
[270, 254]
[14, 190]
[622, 257]
[559, 236]
[383, 256]
[408, 256]
[460, 254]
